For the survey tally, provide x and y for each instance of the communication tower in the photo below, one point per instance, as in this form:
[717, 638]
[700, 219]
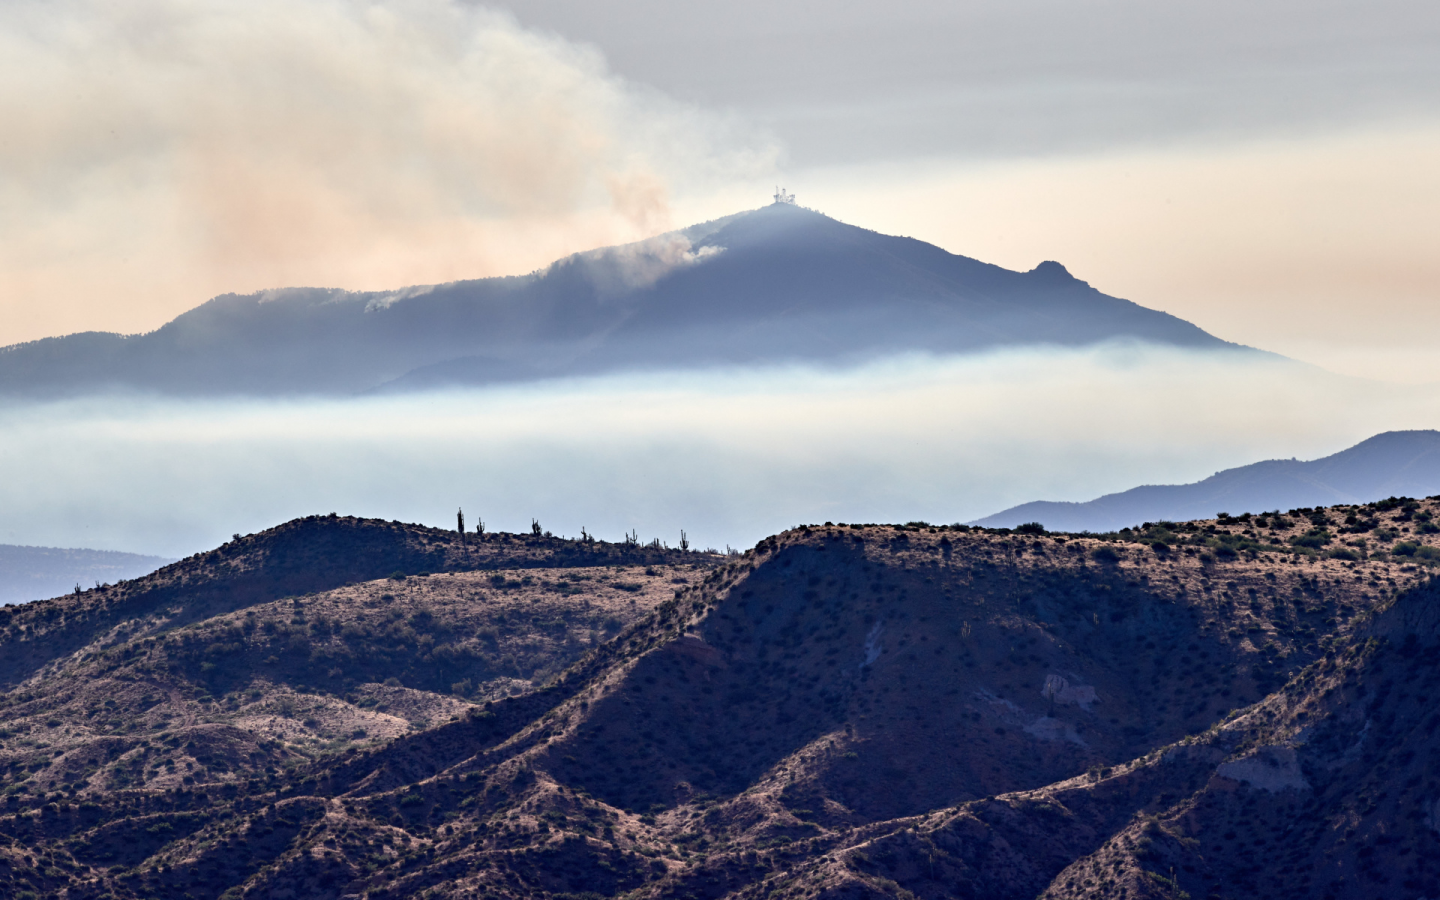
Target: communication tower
[782, 197]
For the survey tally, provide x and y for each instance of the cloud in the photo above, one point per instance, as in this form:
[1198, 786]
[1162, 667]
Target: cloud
[875, 80]
[159, 151]
[730, 456]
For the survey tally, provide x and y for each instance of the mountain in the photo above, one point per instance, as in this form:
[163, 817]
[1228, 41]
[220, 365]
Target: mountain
[777, 284]
[33, 573]
[1211, 709]
[1395, 463]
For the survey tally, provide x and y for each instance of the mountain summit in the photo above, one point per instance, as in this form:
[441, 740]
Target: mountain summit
[774, 285]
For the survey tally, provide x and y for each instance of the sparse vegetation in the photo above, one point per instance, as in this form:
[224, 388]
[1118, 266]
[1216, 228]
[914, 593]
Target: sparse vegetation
[843, 709]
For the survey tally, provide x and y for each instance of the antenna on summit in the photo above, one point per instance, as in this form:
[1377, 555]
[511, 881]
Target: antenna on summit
[782, 197]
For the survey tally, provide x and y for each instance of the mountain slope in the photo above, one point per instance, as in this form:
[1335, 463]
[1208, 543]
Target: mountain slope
[1395, 463]
[846, 711]
[317, 553]
[773, 285]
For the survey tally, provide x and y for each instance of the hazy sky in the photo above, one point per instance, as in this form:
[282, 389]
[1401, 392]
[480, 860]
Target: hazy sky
[1263, 169]
[729, 456]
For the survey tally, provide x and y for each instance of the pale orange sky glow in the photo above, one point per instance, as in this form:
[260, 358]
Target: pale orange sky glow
[1317, 248]
[161, 153]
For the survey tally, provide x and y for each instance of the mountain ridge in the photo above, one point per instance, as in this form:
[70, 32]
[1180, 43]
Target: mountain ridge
[776, 284]
[846, 711]
[1403, 463]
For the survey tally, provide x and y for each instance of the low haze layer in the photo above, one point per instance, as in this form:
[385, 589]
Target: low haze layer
[727, 454]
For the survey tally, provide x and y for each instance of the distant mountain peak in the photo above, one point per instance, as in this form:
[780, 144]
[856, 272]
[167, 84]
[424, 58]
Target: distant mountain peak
[1393, 463]
[776, 285]
[1052, 272]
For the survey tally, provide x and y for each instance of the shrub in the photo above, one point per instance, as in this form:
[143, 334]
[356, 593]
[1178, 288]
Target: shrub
[1314, 539]
[1420, 552]
[1030, 528]
[1105, 555]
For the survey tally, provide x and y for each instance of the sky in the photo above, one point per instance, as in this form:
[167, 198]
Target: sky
[1261, 169]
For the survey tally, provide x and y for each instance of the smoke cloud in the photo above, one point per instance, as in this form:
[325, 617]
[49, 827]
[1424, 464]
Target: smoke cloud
[614, 270]
[162, 151]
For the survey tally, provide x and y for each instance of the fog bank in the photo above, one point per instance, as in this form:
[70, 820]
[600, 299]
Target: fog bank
[729, 456]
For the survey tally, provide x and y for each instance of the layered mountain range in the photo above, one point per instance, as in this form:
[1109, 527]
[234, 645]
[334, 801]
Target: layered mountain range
[776, 285]
[1396, 463]
[342, 707]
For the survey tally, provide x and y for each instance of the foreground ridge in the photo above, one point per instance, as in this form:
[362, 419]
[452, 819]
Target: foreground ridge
[1221, 708]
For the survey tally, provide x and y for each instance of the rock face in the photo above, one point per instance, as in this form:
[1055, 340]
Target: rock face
[845, 711]
[775, 285]
[1267, 768]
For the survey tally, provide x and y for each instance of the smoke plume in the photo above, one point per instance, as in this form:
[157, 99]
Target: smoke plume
[160, 151]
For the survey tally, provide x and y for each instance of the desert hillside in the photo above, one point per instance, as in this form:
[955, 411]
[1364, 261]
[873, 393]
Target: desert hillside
[344, 708]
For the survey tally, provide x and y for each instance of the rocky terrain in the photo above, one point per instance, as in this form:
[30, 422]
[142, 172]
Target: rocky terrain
[350, 708]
